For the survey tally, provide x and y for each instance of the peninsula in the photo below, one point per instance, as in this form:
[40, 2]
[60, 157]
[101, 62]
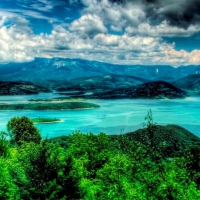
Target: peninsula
[49, 106]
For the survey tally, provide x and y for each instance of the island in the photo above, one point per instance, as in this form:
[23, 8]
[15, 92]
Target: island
[45, 120]
[49, 106]
[58, 99]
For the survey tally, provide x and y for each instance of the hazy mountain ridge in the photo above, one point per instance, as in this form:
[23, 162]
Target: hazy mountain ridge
[107, 82]
[189, 83]
[59, 69]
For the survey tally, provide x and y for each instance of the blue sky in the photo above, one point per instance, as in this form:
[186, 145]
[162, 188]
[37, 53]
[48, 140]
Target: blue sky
[116, 31]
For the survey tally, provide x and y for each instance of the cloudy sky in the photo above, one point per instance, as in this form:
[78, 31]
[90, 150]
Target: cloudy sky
[114, 31]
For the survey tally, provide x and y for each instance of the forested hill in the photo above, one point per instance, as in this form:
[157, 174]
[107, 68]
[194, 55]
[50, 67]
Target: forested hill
[189, 83]
[67, 69]
[20, 87]
[107, 82]
[154, 89]
[158, 162]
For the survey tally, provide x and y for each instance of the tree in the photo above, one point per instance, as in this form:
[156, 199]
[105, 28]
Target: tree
[43, 165]
[4, 145]
[21, 129]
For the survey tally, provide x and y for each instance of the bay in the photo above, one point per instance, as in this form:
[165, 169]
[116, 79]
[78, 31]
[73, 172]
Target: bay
[113, 117]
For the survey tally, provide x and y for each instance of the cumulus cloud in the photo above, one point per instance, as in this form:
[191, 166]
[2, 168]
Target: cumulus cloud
[93, 35]
[22, 45]
[148, 17]
[162, 30]
[114, 15]
[88, 26]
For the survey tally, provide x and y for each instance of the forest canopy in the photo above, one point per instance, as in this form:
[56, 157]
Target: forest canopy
[88, 166]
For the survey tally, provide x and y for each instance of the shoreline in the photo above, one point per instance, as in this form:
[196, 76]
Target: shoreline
[53, 109]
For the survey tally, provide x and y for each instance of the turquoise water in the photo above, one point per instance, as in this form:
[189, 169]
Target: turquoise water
[114, 116]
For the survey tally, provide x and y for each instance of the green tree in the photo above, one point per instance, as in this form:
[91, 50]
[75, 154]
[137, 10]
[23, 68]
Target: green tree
[4, 145]
[43, 165]
[21, 129]
[192, 161]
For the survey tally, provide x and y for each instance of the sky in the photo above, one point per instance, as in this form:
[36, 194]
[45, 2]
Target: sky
[144, 32]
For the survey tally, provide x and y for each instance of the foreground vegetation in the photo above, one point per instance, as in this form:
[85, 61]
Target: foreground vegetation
[88, 166]
[49, 106]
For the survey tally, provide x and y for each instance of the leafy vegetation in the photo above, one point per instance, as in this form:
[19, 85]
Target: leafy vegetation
[88, 166]
[49, 106]
[21, 129]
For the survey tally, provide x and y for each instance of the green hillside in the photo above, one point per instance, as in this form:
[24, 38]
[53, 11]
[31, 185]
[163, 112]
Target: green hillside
[106, 82]
[155, 89]
[189, 83]
[162, 165]
[20, 87]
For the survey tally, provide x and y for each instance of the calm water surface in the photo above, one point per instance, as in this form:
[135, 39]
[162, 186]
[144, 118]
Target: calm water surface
[114, 116]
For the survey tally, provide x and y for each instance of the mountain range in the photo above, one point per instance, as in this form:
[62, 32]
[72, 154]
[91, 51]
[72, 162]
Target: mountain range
[58, 69]
[103, 79]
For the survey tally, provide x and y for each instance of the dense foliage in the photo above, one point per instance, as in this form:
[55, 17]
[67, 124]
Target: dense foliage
[21, 129]
[88, 166]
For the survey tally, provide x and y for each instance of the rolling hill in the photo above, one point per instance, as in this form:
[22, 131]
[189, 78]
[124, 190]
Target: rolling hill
[155, 89]
[174, 139]
[106, 82]
[190, 83]
[20, 87]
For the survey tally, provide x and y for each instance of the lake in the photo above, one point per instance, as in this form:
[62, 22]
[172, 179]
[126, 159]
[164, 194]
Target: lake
[114, 116]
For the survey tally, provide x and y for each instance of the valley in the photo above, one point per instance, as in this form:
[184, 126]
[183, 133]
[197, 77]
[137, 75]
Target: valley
[122, 97]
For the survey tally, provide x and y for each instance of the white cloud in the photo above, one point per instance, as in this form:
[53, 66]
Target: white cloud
[162, 30]
[88, 26]
[114, 15]
[19, 44]
[182, 57]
